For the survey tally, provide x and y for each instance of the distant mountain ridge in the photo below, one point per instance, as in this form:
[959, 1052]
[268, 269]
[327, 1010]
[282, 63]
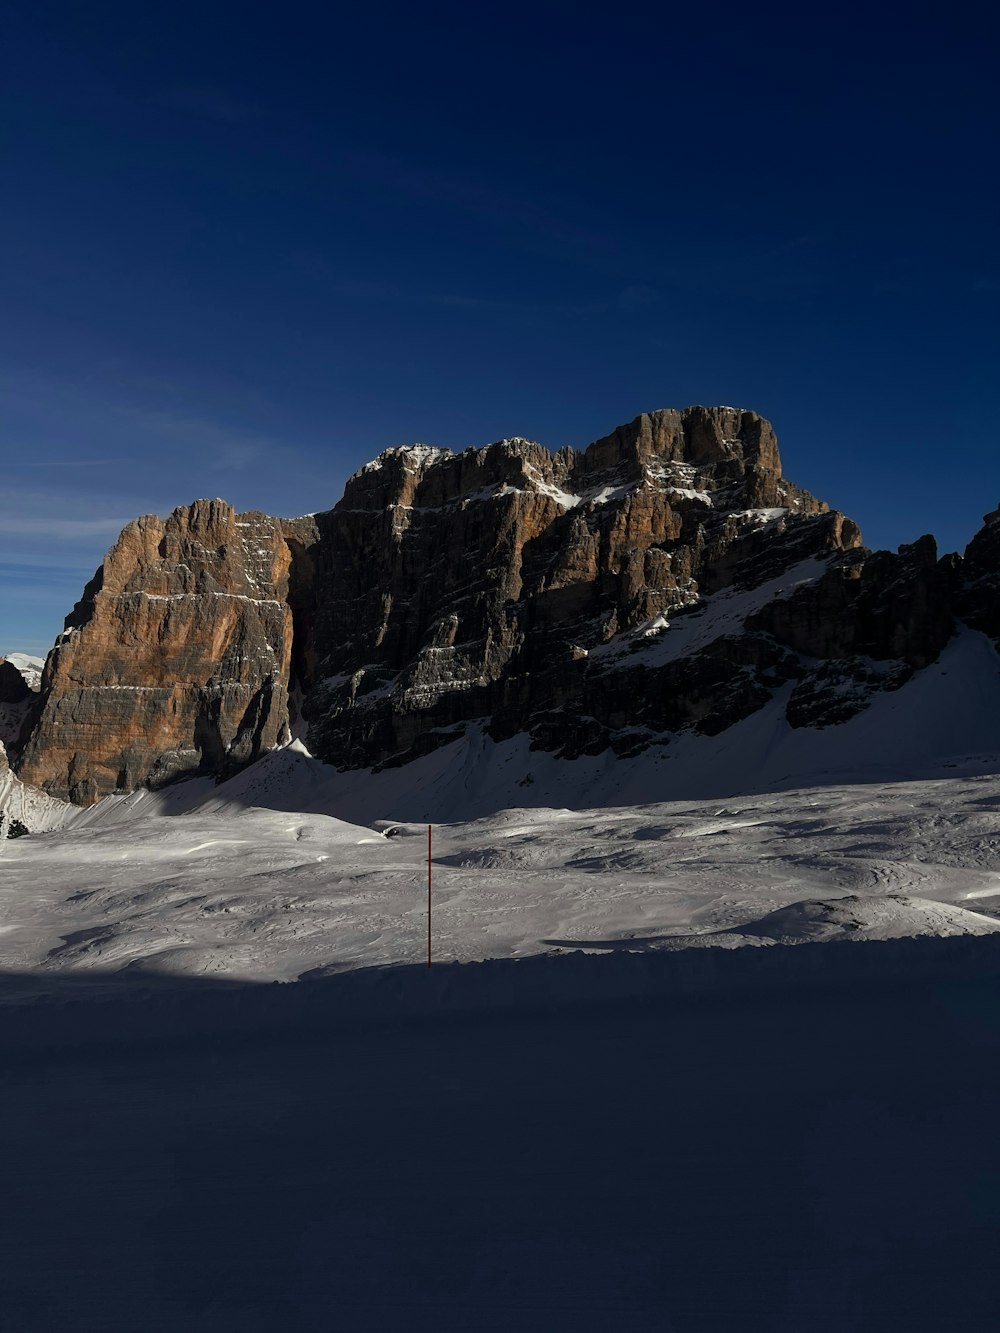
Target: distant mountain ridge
[668, 580]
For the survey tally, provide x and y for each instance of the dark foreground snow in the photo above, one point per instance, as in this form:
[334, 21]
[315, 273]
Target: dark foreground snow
[578, 1143]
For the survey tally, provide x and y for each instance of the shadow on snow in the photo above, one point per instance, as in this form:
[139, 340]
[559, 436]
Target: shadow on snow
[772, 1139]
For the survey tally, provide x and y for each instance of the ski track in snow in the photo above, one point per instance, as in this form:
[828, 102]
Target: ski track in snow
[256, 893]
[284, 869]
[781, 1158]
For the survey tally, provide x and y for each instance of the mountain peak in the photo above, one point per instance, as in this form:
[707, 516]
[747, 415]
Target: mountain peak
[668, 578]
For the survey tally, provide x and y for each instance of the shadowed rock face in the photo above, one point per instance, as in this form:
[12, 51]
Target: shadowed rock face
[14, 689]
[468, 586]
[18, 704]
[176, 659]
[507, 585]
[979, 599]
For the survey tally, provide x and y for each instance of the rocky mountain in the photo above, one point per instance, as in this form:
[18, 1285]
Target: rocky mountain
[667, 579]
[20, 681]
[176, 659]
[979, 599]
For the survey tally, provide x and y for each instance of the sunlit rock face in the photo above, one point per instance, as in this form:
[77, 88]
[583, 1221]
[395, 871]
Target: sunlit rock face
[176, 659]
[666, 579]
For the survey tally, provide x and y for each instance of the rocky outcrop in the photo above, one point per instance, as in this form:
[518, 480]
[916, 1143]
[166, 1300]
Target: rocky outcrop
[668, 578]
[14, 689]
[176, 659]
[475, 586]
[978, 601]
[19, 684]
[870, 622]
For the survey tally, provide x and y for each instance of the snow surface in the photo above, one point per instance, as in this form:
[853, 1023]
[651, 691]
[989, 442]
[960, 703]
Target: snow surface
[31, 807]
[30, 668]
[812, 1154]
[944, 722]
[695, 841]
[723, 613]
[420, 454]
[669, 477]
[644, 1114]
[254, 879]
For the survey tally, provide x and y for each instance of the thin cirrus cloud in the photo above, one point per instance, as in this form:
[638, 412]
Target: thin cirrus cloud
[207, 103]
[458, 193]
[50, 545]
[50, 424]
[634, 297]
[61, 526]
[216, 446]
[34, 463]
[70, 508]
[64, 529]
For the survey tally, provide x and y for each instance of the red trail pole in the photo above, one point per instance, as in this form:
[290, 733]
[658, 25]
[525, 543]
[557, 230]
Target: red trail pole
[428, 895]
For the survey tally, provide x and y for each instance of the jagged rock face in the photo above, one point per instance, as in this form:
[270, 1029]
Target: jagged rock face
[176, 659]
[666, 579]
[875, 604]
[476, 585]
[14, 689]
[979, 598]
[871, 619]
[18, 699]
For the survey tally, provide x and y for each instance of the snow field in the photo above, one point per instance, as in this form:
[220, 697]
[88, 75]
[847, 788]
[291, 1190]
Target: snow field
[245, 892]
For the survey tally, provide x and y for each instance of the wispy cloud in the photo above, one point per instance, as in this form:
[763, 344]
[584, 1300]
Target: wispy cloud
[513, 305]
[40, 574]
[637, 296]
[208, 103]
[215, 445]
[82, 459]
[52, 461]
[64, 529]
[467, 195]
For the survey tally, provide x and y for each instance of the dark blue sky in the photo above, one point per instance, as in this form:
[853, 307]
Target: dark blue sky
[245, 247]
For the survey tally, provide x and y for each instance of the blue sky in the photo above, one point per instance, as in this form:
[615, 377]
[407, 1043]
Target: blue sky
[245, 247]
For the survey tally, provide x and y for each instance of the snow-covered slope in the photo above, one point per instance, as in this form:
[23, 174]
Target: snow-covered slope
[742, 838]
[779, 1159]
[229, 887]
[32, 808]
[889, 916]
[30, 668]
[943, 722]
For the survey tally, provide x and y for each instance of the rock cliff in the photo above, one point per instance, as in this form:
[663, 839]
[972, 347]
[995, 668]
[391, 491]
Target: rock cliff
[668, 578]
[459, 587]
[20, 679]
[978, 601]
[176, 659]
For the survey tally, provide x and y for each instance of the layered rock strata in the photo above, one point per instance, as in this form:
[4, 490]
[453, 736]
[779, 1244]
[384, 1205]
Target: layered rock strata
[978, 600]
[177, 658]
[459, 587]
[667, 578]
